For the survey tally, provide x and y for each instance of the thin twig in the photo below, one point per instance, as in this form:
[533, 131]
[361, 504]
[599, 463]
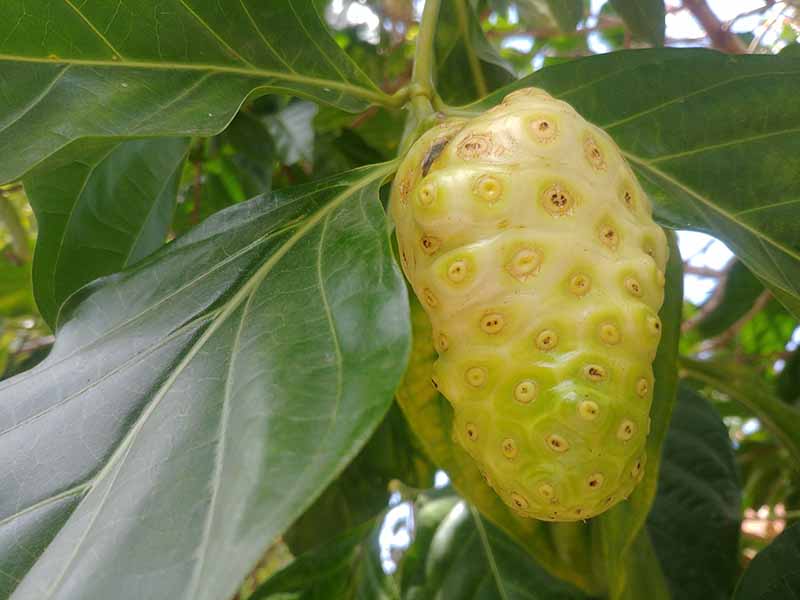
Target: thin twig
[767, 26]
[716, 297]
[721, 38]
[730, 333]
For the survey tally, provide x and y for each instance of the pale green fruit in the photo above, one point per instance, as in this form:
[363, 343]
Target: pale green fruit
[529, 242]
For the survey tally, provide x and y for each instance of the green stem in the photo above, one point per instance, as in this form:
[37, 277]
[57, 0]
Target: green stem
[422, 87]
[472, 57]
[19, 239]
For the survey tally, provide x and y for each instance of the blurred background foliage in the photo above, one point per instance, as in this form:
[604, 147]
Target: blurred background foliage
[277, 141]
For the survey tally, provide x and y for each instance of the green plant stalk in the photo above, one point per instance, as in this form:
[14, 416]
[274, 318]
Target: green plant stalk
[472, 57]
[422, 77]
[19, 239]
[780, 418]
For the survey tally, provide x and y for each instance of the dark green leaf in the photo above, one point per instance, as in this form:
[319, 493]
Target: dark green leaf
[179, 67]
[645, 18]
[564, 14]
[774, 573]
[292, 130]
[362, 492]
[685, 121]
[348, 568]
[101, 206]
[740, 289]
[461, 555]
[194, 406]
[788, 384]
[468, 66]
[695, 520]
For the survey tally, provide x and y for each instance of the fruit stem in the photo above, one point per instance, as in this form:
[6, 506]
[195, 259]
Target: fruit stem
[422, 87]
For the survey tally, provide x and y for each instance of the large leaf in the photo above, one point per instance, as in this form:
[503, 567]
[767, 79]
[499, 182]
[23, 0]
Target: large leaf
[101, 206]
[645, 18]
[461, 555]
[175, 67]
[468, 66]
[739, 292]
[695, 520]
[596, 555]
[712, 137]
[194, 406]
[774, 573]
[564, 14]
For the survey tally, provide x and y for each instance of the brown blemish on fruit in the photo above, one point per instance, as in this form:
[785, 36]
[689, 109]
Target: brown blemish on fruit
[594, 373]
[524, 264]
[510, 449]
[628, 198]
[544, 130]
[546, 491]
[492, 323]
[457, 271]
[556, 443]
[593, 154]
[442, 343]
[435, 383]
[547, 340]
[472, 431]
[654, 325]
[642, 387]
[633, 286]
[588, 410]
[488, 188]
[430, 298]
[626, 430]
[476, 376]
[557, 200]
[475, 145]
[580, 284]
[434, 152]
[609, 334]
[525, 392]
[595, 481]
[609, 236]
[636, 470]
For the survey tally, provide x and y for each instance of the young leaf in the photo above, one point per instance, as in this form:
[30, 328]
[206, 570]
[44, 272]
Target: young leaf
[645, 18]
[695, 520]
[101, 206]
[684, 121]
[194, 406]
[70, 70]
[774, 573]
[564, 14]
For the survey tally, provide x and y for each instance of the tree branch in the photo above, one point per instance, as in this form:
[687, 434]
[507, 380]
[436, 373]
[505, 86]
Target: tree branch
[721, 37]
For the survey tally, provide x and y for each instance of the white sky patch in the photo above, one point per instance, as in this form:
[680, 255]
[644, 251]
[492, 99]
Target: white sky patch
[701, 250]
[395, 535]
[520, 43]
[441, 480]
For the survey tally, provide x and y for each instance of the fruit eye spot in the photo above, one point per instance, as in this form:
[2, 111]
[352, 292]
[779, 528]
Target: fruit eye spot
[442, 342]
[595, 481]
[427, 194]
[556, 443]
[430, 244]
[486, 478]
[489, 189]
[519, 501]
[509, 448]
[457, 271]
[627, 199]
[544, 130]
[430, 298]
[580, 284]
[525, 392]
[642, 387]
[557, 200]
[626, 430]
[609, 237]
[654, 325]
[492, 323]
[524, 264]
[609, 333]
[547, 340]
[593, 154]
[636, 469]
[475, 146]
[476, 376]
[435, 383]
[546, 491]
[594, 373]
[632, 285]
[472, 431]
[588, 410]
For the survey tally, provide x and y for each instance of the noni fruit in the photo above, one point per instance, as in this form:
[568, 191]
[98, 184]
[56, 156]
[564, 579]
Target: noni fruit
[532, 247]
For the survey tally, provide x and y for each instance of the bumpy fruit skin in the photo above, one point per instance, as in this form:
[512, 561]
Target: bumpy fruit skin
[531, 246]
